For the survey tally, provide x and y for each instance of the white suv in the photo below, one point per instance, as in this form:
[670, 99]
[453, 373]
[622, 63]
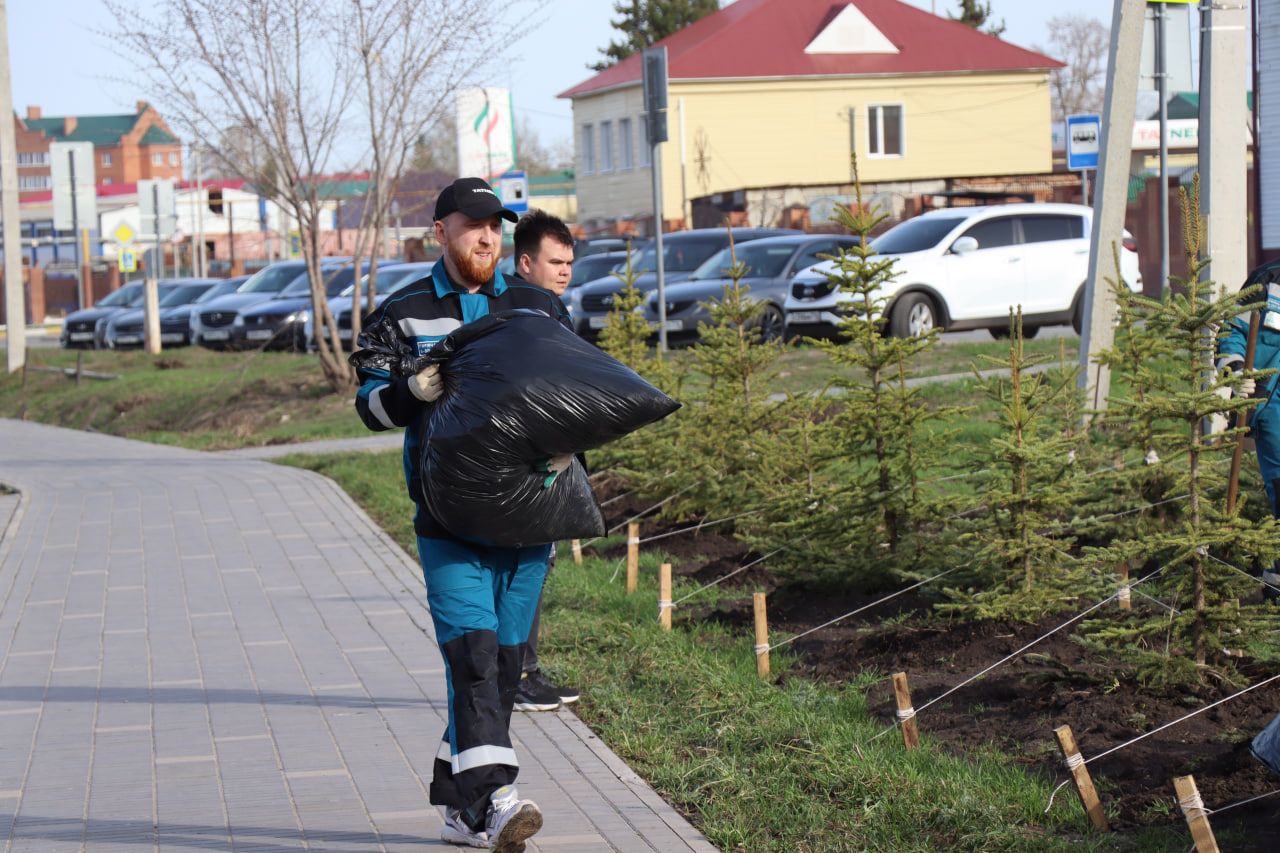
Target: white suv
[964, 268]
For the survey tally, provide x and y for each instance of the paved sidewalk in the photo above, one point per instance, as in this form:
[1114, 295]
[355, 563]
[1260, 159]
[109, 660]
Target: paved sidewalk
[203, 652]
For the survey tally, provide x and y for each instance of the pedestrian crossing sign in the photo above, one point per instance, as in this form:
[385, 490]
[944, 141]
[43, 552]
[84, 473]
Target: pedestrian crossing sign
[127, 260]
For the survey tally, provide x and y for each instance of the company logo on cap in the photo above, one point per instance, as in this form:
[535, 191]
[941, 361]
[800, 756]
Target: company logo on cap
[484, 190]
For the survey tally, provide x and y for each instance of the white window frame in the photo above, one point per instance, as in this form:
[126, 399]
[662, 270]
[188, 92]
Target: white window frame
[173, 159]
[106, 159]
[588, 149]
[157, 158]
[627, 148]
[33, 158]
[646, 153]
[606, 146]
[877, 138]
[34, 183]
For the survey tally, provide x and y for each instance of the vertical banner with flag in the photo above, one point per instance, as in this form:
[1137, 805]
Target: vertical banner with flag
[486, 133]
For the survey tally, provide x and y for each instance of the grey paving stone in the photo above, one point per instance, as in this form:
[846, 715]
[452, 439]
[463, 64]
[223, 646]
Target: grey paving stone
[235, 652]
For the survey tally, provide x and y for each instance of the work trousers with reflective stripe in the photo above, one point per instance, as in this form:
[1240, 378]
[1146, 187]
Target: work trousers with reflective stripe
[482, 602]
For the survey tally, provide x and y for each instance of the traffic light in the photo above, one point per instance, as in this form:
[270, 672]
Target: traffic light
[215, 201]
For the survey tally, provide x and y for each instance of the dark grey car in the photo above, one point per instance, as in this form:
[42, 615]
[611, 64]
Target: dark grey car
[683, 252]
[770, 263]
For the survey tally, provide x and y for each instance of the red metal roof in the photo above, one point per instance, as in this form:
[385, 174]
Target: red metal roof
[767, 38]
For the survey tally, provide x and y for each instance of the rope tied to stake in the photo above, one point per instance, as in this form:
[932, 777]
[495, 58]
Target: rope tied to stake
[905, 714]
[1193, 807]
[761, 649]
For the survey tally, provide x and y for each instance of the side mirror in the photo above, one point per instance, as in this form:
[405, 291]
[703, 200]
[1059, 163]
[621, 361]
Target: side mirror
[964, 246]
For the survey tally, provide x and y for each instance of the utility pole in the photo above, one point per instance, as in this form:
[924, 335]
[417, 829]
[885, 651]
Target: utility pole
[1162, 91]
[151, 286]
[1224, 147]
[655, 104]
[686, 212]
[201, 262]
[15, 310]
[1110, 196]
[75, 232]
[231, 234]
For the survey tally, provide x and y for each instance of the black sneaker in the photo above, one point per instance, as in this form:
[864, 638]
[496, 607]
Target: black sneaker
[534, 694]
[567, 694]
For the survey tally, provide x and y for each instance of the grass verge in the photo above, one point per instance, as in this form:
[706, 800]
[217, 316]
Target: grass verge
[784, 766]
[207, 400]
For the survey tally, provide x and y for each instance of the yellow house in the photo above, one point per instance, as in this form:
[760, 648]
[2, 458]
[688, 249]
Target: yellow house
[768, 98]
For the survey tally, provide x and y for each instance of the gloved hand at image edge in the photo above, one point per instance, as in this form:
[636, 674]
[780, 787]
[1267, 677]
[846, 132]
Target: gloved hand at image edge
[552, 467]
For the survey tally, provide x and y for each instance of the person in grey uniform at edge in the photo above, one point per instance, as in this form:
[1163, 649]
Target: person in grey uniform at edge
[544, 258]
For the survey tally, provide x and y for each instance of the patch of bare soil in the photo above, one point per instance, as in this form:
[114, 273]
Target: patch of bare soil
[1017, 706]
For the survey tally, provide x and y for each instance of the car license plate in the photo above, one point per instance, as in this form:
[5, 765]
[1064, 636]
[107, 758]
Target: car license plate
[258, 334]
[672, 325]
[171, 338]
[128, 339]
[217, 335]
[597, 322]
[804, 317]
[80, 336]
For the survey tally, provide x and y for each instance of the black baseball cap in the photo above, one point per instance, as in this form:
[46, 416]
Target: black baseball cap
[472, 197]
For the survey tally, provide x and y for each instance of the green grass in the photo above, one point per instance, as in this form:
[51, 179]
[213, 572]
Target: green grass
[191, 397]
[207, 400]
[786, 765]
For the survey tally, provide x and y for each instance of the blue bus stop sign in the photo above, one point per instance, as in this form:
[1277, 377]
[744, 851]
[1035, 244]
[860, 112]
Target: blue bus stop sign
[1084, 136]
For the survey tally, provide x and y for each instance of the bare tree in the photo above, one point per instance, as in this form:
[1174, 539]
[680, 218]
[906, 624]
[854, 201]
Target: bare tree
[1083, 43]
[301, 82]
[413, 58]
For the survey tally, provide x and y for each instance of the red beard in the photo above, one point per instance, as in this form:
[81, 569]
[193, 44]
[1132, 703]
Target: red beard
[473, 272]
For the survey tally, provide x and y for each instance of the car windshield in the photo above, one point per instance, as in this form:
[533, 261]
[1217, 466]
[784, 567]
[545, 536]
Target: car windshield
[335, 279]
[272, 279]
[130, 294]
[915, 235]
[184, 294]
[222, 288]
[389, 280]
[678, 255]
[593, 267]
[765, 261]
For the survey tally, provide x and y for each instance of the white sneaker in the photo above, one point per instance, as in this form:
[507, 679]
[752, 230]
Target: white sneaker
[511, 820]
[457, 832]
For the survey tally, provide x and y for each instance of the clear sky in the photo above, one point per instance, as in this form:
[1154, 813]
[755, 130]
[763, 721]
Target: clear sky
[61, 62]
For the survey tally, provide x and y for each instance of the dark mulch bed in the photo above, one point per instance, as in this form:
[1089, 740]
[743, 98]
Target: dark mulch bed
[1016, 707]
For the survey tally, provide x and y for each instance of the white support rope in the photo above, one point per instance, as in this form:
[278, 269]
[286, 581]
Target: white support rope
[1013, 655]
[699, 526]
[1251, 577]
[1172, 723]
[864, 607]
[724, 578]
[1230, 806]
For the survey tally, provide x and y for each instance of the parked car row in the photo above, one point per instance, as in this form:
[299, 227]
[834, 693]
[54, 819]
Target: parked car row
[956, 269]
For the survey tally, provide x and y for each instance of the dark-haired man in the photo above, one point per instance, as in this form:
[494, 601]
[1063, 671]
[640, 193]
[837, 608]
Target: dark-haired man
[544, 258]
[544, 251]
[482, 599]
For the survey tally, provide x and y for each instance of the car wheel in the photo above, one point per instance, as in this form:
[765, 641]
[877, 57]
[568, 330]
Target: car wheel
[913, 316]
[771, 324]
[1077, 313]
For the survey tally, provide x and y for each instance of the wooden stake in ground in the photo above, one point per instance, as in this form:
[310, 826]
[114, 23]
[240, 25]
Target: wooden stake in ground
[762, 635]
[1124, 596]
[1194, 811]
[906, 714]
[575, 546]
[633, 556]
[664, 596]
[1080, 775]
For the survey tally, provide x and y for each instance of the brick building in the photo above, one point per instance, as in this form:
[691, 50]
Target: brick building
[127, 148]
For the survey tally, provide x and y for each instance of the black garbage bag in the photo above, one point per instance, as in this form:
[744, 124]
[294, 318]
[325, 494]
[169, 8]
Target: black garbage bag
[519, 388]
